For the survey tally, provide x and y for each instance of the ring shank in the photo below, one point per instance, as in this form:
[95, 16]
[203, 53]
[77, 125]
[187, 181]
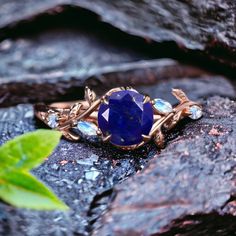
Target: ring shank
[65, 116]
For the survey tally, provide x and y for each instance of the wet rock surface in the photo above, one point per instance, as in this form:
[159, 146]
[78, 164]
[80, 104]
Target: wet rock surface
[192, 175]
[52, 49]
[78, 172]
[198, 26]
[178, 182]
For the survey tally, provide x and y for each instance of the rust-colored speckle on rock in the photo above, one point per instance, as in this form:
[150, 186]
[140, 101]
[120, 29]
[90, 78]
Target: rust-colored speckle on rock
[218, 146]
[215, 132]
[64, 162]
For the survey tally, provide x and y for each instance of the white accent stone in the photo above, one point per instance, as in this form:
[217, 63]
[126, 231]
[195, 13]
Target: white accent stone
[162, 106]
[87, 128]
[196, 112]
[53, 121]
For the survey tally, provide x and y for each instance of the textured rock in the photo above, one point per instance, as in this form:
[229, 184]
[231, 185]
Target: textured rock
[84, 175]
[191, 179]
[30, 66]
[188, 25]
[77, 172]
[41, 87]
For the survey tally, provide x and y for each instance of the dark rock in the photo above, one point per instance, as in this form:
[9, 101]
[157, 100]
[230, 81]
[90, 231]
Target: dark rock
[191, 182]
[84, 175]
[197, 26]
[30, 66]
[58, 42]
[28, 87]
[77, 172]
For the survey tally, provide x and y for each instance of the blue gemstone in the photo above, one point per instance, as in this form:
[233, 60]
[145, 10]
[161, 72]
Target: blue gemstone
[125, 117]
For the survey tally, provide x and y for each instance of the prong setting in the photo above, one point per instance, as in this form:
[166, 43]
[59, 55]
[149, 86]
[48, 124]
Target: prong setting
[146, 99]
[106, 138]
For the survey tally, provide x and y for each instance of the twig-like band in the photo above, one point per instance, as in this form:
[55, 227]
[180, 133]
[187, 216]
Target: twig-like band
[117, 114]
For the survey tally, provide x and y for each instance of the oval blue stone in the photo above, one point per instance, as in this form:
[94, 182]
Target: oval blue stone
[125, 117]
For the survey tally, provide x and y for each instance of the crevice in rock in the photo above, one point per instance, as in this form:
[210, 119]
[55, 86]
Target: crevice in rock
[159, 74]
[79, 17]
[97, 208]
[202, 224]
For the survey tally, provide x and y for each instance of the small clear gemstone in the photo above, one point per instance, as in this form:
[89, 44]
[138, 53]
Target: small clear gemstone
[53, 120]
[162, 106]
[196, 112]
[87, 128]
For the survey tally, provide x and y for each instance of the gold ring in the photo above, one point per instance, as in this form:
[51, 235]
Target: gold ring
[123, 117]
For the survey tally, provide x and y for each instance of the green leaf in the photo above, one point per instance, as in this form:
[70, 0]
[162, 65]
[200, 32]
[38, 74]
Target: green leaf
[21, 189]
[28, 150]
[17, 186]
